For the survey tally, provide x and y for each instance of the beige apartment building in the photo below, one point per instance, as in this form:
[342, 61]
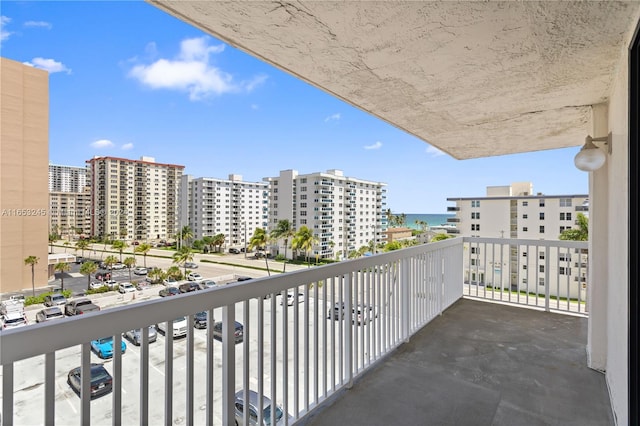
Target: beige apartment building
[24, 156]
[69, 214]
[134, 199]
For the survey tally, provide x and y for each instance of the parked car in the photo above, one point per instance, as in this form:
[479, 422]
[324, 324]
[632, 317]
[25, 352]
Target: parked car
[135, 336]
[169, 291]
[101, 380]
[169, 281]
[253, 404]
[141, 285]
[336, 312]
[126, 287]
[194, 276]
[12, 320]
[80, 306]
[103, 347]
[291, 298]
[140, 271]
[103, 275]
[200, 319]
[179, 327]
[243, 279]
[208, 284]
[96, 285]
[56, 299]
[234, 251]
[363, 314]
[239, 331]
[189, 287]
[49, 314]
[118, 266]
[191, 265]
[111, 284]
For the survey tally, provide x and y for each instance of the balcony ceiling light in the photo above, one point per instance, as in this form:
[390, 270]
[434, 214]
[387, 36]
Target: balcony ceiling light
[590, 157]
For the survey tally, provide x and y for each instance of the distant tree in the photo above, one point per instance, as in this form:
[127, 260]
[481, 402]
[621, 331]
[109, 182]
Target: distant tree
[182, 256]
[393, 245]
[283, 230]
[62, 267]
[53, 238]
[305, 240]
[577, 234]
[66, 244]
[109, 261]
[82, 245]
[174, 272]
[184, 235]
[87, 269]
[120, 246]
[208, 242]
[129, 262]
[32, 261]
[218, 241]
[260, 239]
[440, 237]
[157, 275]
[143, 248]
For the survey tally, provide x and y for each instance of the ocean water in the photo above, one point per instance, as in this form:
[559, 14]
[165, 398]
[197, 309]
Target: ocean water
[432, 219]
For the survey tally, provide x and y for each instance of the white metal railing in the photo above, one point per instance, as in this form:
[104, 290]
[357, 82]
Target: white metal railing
[551, 275]
[296, 355]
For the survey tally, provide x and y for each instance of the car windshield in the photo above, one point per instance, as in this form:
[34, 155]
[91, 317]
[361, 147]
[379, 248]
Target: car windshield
[179, 319]
[53, 314]
[267, 414]
[99, 374]
[14, 321]
[105, 340]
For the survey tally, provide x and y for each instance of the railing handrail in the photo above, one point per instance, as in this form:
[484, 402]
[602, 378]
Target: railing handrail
[517, 241]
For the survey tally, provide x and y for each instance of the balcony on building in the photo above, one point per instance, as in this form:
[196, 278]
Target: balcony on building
[453, 208]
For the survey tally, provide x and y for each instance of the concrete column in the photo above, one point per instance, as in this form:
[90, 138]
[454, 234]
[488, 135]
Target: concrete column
[597, 285]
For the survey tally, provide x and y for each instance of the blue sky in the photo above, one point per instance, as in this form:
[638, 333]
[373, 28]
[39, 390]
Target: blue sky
[127, 80]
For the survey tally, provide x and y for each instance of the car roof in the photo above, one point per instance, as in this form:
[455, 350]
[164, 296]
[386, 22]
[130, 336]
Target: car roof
[51, 310]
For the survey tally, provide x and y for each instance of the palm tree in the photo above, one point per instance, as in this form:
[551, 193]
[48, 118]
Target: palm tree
[130, 262]
[66, 244]
[32, 261]
[579, 234]
[174, 272]
[62, 267]
[109, 261]
[87, 269]
[283, 230]
[218, 241]
[120, 246]
[305, 240]
[208, 242]
[260, 239]
[182, 256]
[156, 275]
[52, 239]
[82, 245]
[184, 235]
[143, 248]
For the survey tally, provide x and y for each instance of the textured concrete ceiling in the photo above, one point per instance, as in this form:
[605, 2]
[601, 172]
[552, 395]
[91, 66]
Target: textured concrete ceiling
[474, 79]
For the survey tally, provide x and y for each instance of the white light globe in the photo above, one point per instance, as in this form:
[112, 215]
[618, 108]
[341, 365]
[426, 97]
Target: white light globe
[589, 158]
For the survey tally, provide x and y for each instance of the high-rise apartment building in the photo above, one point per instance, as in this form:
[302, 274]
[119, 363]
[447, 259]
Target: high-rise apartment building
[344, 213]
[24, 149]
[134, 199]
[67, 178]
[231, 207]
[516, 212]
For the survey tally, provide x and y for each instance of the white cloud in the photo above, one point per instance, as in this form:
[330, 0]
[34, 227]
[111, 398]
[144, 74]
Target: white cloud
[4, 34]
[191, 72]
[433, 151]
[376, 145]
[332, 117]
[50, 65]
[38, 24]
[127, 146]
[102, 143]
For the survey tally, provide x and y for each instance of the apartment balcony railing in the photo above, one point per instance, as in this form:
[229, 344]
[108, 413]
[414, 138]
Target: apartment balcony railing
[345, 318]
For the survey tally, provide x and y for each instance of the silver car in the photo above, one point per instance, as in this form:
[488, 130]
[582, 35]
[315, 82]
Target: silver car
[253, 410]
[49, 314]
[135, 336]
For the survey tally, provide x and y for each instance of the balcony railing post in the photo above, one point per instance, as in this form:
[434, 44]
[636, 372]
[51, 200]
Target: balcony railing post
[547, 283]
[228, 364]
[348, 332]
[405, 305]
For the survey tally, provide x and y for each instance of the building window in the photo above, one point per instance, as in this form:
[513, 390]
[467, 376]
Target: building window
[564, 271]
[475, 250]
[524, 267]
[541, 282]
[524, 254]
[525, 216]
[541, 268]
[475, 226]
[525, 229]
[561, 216]
[542, 202]
[542, 229]
[475, 203]
[541, 257]
[565, 202]
[473, 262]
[541, 215]
[525, 203]
[568, 216]
[475, 215]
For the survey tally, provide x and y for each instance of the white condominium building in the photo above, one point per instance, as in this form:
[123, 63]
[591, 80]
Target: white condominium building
[134, 199]
[515, 212]
[230, 207]
[67, 178]
[344, 213]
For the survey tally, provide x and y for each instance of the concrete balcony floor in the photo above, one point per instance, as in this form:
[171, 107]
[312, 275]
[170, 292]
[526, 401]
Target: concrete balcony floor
[480, 363]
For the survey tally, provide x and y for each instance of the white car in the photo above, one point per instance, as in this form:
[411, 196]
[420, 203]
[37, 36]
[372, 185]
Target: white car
[291, 298]
[170, 281]
[118, 266]
[126, 288]
[13, 320]
[140, 271]
[194, 276]
[96, 285]
[179, 327]
[111, 283]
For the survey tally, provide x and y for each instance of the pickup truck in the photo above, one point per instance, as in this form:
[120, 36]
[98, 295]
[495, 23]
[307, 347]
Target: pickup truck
[79, 307]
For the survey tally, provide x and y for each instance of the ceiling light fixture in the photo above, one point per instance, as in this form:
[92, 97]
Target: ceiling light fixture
[590, 157]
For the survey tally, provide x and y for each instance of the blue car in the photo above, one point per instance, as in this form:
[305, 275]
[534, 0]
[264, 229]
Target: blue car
[104, 347]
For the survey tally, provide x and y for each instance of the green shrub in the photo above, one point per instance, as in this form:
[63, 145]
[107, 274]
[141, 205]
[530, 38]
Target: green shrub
[98, 290]
[34, 300]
